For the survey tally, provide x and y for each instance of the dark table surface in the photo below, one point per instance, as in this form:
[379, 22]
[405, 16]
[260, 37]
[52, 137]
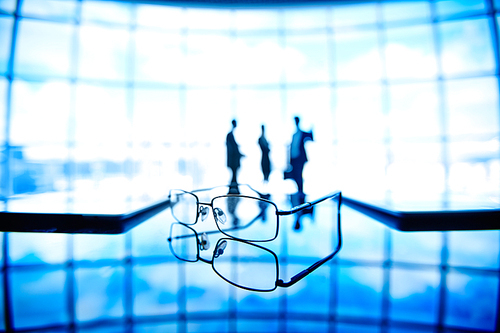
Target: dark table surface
[469, 216]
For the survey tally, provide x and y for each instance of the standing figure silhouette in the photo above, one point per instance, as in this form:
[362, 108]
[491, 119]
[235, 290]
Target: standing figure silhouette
[298, 156]
[233, 154]
[265, 162]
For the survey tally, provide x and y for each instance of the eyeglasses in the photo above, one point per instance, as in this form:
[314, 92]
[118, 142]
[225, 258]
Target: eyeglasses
[239, 262]
[235, 213]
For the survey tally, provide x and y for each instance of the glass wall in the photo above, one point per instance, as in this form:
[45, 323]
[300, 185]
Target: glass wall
[106, 103]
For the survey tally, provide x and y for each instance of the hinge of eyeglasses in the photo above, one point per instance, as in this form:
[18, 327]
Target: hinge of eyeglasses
[293, 280]
[295, 209]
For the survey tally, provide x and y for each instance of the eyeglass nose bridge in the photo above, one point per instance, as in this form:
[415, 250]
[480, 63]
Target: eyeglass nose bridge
[218, 213]
[203, 211]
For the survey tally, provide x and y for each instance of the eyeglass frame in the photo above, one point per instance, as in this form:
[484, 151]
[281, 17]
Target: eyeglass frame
[279, 212]
[279, 282]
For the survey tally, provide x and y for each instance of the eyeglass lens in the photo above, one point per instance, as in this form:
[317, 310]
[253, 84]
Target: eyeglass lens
[246, 218]
[245, 264]
[183, 242]
[184, 206]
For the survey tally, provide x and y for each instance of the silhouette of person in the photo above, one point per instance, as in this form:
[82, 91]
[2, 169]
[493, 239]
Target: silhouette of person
[298, 156]
[265, 162]
[233, 154]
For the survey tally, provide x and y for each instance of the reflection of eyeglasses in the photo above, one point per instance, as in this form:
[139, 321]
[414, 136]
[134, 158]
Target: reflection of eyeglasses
[241, 263]
[235, 213]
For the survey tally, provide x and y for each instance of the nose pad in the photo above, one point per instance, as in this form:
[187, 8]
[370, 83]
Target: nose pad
[220, 249]
[203, 213]
[220, 216]
[204, 242]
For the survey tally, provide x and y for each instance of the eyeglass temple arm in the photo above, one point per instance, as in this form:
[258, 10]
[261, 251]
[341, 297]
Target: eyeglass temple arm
[296, 278]
[192, 235]
[308, 204]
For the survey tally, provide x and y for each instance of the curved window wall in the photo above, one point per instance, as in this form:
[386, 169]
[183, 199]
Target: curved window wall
[104, 101]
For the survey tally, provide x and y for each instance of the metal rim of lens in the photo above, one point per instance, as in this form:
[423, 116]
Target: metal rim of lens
[171, 246]
[249, 244]
[248, 197]
[197, 207]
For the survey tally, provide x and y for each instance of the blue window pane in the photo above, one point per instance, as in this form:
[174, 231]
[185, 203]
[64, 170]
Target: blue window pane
[155, 289]
[317, 237]
[350, 109]
[202, 125]
[248, 302]
[94, 247]
[101, 185]
[474, 169]
[36, 248]
[354, 15]
[39, 169]
[475, 55]
[109, 106]
[312, 294]
[99, 293]
[205, 290]
[208, 19]
[417, 166]
[150, 237]
[38, 298]
[152, 48]
[43, 48]
[118, 328]
[307, 326]
[258, 59]
[157, 116]
[423, 248]
[359, 291]
[410, 53]
[446, 8]
[109, 11]
[221, 326]
[471, 301]
[209, 60]
[8, 5]
[2, 236]
[40, 112]
[414, 295]
[255, 19]
[156, 328]
[2, 296]
[3, 97]
[366, 237]
[414, 111]
[305, 18]
[474, 249]
[5, 41]
[255, 325]
[412, 330]
[50, 9]
[347, 328]
[354, 177]
[472, 107]
[306, 59]
[166, 17]
[406, 10]
[103, 52]
[357, 56]
[153, 164]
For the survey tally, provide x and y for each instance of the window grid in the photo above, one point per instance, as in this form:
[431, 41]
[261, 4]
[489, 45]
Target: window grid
[129, 262]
